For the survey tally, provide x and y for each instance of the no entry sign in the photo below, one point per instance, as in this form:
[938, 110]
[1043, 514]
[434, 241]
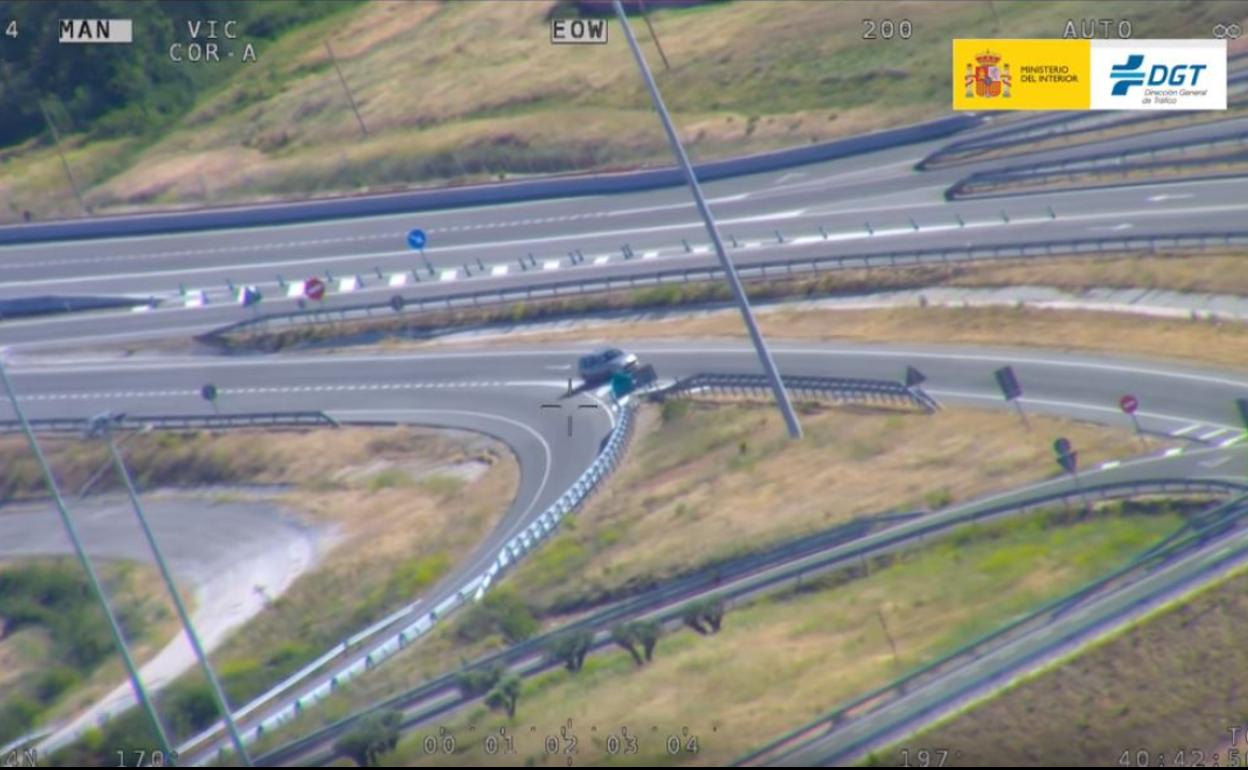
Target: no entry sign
[314, 288]
[1129, 403]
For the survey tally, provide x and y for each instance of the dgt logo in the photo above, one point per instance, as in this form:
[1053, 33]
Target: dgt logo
[1131, 73]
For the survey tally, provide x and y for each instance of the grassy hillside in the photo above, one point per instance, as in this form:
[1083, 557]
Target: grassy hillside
[473, 90]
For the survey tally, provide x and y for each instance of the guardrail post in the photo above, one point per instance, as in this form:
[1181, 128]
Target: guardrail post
[377, 269]
[687, 247]
[1052, 213]
[913, 224]
[281, 283]
[230, 284]
[779, 237]
[415, 275]
[823, 232]
[961, 221]
[1005, 217]
[532, 260]
[870, 231]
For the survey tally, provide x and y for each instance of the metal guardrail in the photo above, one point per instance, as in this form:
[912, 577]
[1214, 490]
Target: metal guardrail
[177, 422]
[779, 268]
[608, 460]
[833, 388]
[478, 195]
[1214, 523]
[704, 581]
[1141, 159]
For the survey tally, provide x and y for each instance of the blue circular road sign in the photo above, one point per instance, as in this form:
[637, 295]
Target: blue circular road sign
[416, 239]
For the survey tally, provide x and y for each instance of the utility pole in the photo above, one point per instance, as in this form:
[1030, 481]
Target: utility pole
[730, 271]
[56, 138]
[103, 424]
[346, 89]
[646, 17]
[131, 671]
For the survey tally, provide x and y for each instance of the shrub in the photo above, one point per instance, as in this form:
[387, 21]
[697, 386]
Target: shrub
[372, 736]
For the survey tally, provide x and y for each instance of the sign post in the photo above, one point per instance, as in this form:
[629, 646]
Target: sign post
[1008, 382]
[416, 240]
[1067, 457]
[1129, 404]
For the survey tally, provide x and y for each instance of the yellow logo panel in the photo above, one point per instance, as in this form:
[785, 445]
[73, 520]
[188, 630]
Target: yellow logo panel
[1022, 74]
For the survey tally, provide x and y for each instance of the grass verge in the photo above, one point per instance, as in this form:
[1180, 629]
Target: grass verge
[699, 474]
[1163, 686]
[780, 661]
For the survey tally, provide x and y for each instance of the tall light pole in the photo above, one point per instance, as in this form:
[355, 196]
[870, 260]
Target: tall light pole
[730, 271]
[139, 691]
[102, 425]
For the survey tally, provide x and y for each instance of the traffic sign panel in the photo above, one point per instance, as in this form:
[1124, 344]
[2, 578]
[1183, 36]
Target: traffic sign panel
[1129, 403]
[209, 392]
[1008, 383]
[314, 288]
[416, 239]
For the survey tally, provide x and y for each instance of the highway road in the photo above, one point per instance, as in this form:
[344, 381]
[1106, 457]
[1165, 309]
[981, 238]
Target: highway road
[871, 203]
[866, 204]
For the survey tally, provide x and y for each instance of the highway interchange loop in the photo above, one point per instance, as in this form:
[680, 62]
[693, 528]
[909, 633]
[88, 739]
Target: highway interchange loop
[857, 205]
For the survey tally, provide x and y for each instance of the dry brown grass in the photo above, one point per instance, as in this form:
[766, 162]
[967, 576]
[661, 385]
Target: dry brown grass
[1212, 273]
[723, 480]
[396, 539]
[1161, 686]
[308, 457]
